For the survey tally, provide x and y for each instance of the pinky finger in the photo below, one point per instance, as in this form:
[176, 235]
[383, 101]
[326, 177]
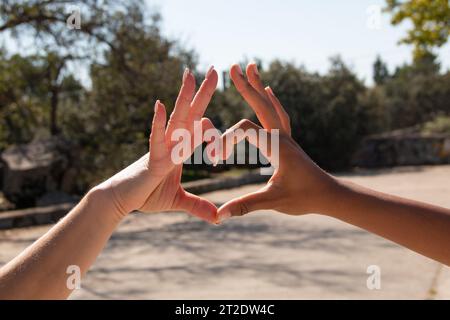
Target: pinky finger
[282, 114]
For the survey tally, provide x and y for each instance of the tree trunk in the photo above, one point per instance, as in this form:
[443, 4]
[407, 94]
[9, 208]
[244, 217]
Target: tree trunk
[54, 129]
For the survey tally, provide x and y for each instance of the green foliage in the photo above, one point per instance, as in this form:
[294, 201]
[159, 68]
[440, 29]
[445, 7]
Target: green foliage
[380, 71]
[439, 125]
[27, 89]
[119, 107]
[430, 21]
[412, 95]
[22, 95]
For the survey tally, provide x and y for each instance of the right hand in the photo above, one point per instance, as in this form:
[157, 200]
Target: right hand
[298, 185]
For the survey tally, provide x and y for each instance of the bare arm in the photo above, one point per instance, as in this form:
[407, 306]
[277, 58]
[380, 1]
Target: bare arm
[40, 272]
[151, 184]
[418, 226]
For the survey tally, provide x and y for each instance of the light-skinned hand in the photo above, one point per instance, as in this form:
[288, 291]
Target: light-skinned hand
[152, 183]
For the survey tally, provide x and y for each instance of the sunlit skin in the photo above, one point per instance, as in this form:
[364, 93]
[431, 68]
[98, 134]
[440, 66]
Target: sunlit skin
[283, 192]
[299, 186]
[151, 184]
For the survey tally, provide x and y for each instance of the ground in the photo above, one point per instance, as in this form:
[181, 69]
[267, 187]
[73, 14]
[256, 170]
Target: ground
[265, 255]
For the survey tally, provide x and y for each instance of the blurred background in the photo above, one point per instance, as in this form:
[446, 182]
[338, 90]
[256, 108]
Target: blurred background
[366, 84]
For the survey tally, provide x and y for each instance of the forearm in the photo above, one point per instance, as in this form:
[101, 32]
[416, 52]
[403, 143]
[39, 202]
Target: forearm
[418, 226]
[40, 272]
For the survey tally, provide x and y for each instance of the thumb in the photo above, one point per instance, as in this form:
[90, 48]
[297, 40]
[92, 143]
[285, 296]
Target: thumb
[196, 206]
[257, 200]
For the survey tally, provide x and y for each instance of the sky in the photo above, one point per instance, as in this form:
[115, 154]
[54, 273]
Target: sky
[304, 32]
[299, 31]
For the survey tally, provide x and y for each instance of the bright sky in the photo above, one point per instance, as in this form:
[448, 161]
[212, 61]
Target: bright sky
[301, 31]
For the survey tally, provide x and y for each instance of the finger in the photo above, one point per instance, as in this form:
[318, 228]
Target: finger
[282, 114]
[262, 107]
[198, 132]
[204, 95]
[207, 124]
[255, 80]
[259, 200]
[197, 135]
[197, 206]
[211, 136]
[157, 143]
[178, 118]
[246, 129]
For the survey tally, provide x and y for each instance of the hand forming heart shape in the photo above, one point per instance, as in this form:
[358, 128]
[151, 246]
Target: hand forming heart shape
[298, 185]
[152, 183]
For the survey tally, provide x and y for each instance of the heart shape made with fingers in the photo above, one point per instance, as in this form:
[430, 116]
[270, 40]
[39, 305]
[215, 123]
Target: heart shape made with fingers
[283, 192]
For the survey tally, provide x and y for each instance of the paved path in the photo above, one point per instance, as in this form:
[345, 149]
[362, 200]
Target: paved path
[264, 255]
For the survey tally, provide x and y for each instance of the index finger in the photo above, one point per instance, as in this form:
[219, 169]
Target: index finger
[178, 118]
[204, 95]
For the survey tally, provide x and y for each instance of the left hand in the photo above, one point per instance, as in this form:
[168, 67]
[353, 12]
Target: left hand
[298, 185]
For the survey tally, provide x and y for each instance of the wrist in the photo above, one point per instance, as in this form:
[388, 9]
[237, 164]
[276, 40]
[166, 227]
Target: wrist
[339, 195]
[104, 200]
[331, 195]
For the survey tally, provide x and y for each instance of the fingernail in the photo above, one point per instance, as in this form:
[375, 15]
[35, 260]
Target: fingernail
[215, 160]
[185, 74]
[210, 70]
[239, 70]
[224, 216]
[255, 69]
[269, 89]
[156, 105]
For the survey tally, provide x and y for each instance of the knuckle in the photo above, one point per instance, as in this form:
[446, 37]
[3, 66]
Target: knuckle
[244, 122]
[243, 209]
[178, 121]
[184, 99]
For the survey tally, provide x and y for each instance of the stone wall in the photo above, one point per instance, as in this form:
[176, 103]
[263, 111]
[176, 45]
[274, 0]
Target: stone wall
[399, 150]
[32, 170]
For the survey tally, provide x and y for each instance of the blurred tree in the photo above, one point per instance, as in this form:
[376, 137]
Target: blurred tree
[57, 83]
[415, 93]
[131, 65]
[29, 95]
[430, 23]
[380, 71]
[116, 117]
[20, 94]
[44, 23]
[345, 118]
